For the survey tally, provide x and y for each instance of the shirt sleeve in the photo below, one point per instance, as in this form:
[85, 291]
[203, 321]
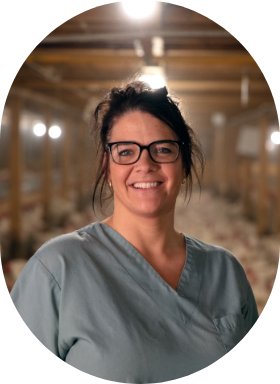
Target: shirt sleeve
[36, 296]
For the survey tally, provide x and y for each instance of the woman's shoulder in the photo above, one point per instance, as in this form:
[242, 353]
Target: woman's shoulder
[66, 248]
[216, 255]
[64, 258]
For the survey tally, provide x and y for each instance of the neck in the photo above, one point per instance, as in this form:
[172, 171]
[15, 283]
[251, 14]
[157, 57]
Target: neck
[150, 235]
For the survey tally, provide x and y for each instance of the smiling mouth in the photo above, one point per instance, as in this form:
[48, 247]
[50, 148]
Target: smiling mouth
[144, 186]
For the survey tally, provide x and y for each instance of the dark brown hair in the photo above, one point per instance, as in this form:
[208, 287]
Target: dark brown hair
[139, 96]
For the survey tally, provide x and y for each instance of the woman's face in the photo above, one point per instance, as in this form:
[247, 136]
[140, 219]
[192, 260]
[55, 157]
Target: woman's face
[144, 129]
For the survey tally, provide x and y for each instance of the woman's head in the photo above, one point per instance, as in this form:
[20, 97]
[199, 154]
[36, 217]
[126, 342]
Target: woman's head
[137, 96]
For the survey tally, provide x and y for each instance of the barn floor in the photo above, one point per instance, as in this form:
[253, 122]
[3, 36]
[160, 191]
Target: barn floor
[209, 218]
[217, 221]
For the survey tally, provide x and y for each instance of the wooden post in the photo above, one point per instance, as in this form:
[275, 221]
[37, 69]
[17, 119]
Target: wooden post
[262, 193]
[215, 161]
[228, 153]
[219, 166]
[66, 156]
[47, 169]
[233, 188]
[278, 193]
[246, 200]
[15, 174]
[211, 163]
[80, 164]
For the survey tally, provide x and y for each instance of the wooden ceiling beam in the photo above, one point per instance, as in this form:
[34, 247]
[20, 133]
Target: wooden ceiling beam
[101, 62]
[206, 61]
[41, 99]
[135, 34]
[119, 61]
[214, 101]
[209, 100]
[216, 85]
[95, 52]
[256, 86]
[205, 53]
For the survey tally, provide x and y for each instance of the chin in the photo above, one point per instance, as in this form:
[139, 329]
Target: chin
[149, 210]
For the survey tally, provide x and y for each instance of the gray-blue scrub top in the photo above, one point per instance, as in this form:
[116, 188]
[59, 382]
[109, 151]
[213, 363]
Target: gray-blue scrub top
[96, 303]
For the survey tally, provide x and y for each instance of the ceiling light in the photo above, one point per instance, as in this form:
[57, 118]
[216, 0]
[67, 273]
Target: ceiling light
[39, 129]
[155, 81]
[275, 137]
[54, 132]
[139, 9]
[154, 76]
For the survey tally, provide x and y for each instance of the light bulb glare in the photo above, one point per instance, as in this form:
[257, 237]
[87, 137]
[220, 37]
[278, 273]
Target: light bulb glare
[155, 81]
[39, 129]
[54, 132]
[139, 9]
[275, 137]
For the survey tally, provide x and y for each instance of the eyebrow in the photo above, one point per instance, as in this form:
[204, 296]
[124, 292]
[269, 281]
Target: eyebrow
[136, 142]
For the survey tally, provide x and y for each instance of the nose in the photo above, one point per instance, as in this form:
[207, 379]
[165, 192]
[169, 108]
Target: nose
[145, 156]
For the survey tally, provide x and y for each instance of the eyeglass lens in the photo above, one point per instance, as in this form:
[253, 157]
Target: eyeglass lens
[127, 153]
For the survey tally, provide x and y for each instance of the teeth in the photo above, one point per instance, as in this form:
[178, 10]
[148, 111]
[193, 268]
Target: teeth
[145, 185]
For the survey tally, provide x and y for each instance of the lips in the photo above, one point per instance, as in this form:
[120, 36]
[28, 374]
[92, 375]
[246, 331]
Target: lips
[146, 185]
[138, 182]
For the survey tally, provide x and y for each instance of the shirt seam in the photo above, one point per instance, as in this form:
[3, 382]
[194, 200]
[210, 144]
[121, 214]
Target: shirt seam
[223, 342]
[48, 271]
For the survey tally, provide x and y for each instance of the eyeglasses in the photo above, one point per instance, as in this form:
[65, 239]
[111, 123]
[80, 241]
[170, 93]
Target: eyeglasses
[128, 152]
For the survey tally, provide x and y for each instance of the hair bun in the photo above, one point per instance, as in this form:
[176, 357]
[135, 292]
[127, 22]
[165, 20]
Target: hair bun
[163, 92]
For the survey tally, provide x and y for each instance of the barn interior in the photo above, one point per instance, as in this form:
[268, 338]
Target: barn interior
[47, 152]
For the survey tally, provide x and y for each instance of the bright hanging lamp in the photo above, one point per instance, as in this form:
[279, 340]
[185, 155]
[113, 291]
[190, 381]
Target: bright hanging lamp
[153, 75]
[139, 9]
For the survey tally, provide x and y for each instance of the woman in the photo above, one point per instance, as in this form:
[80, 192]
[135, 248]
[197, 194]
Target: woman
[130, 299]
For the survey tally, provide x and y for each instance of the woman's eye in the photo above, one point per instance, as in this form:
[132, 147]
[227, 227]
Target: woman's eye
[163, 150]
[122, 153]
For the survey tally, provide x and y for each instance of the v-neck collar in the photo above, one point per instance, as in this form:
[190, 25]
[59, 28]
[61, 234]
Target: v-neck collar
[178, 304]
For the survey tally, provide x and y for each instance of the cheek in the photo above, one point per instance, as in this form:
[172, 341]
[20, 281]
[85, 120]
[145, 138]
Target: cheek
[119, 174]
[175, 174]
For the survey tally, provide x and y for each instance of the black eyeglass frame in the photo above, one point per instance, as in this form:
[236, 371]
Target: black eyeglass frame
[180, 144]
